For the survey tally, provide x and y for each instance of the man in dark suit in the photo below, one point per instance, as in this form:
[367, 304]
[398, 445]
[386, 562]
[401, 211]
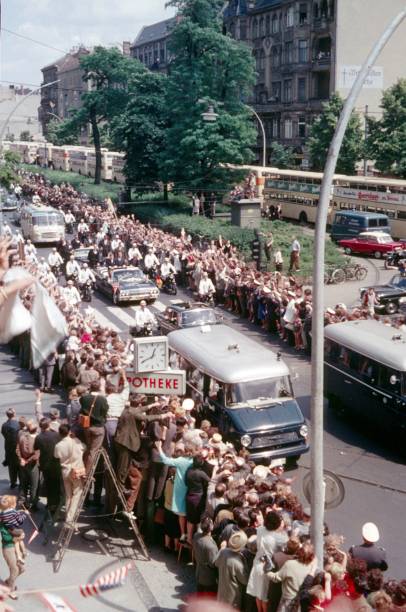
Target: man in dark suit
[127, 441]
[10, 430]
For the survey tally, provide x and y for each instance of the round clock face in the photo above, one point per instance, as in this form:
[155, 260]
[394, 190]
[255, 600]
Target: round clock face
[151, 356]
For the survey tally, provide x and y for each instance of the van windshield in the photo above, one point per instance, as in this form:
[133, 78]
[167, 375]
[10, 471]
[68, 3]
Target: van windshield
[48, 219]
[266, 388]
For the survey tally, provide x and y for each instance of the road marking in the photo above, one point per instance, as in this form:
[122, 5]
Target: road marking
[160, 306]
[104, 322]
[123, 315]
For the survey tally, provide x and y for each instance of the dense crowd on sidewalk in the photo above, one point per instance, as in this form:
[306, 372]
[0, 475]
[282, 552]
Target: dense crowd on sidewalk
[243, 524]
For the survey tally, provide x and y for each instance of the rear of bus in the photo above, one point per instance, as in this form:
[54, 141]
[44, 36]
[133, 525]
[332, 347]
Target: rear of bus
[43, 225]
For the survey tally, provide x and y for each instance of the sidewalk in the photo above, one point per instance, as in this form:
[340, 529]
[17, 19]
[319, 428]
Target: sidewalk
[153, 585]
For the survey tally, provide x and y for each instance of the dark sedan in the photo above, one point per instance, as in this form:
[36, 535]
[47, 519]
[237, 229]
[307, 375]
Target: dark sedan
[186, 314]
[125, 285]
[391, 296]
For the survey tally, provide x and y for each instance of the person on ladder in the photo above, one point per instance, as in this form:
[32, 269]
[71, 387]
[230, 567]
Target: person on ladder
[69, 451]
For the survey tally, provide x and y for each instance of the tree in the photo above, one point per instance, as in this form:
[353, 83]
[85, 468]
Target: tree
[9, 169]
[63, 132]
[208, 68]
[386, 143]
[282, 157]
[322, 132]
[140, 129]
[107, 72]
[25, 136]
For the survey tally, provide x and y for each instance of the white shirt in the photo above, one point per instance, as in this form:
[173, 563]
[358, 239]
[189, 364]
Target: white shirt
[54, 259]
[86, 275]
[116, 401]
[167, 268]
[290, 312]
[116, 244]
[150, 260]
[206, 286]
[295, 246]
[43, 267]
[134, 253]
[143, 316]
[71, 295]
[29, 249]
[69, 218]
[83, 227]
[69, 451]
[72, 267]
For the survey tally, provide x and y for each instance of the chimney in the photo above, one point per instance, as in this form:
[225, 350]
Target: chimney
[126, 48]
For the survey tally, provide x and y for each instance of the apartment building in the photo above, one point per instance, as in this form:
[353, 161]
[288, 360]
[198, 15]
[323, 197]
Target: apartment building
[307, 49]
[151, 45]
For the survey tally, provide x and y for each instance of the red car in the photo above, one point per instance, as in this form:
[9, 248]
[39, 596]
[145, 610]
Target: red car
[376, 244]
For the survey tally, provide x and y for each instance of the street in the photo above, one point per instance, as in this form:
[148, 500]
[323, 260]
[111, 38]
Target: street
[372, 473]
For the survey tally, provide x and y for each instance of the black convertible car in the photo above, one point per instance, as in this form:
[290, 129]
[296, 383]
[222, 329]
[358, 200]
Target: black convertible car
[186, 314]
[125, 285]
[390, 296]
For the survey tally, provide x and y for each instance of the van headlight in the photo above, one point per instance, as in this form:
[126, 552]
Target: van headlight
[245, 440]
[304, 431]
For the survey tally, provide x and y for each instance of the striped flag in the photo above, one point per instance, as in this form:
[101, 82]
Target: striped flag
[112, 580]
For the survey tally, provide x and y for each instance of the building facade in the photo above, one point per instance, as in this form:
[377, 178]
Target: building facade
[24, 118]
[307, 49]
[151, 45]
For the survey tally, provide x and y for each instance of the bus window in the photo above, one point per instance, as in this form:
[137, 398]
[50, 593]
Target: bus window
[368, 369]
[390, 380]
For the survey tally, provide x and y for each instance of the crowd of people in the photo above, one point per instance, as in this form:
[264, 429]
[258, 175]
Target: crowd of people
[245, 527]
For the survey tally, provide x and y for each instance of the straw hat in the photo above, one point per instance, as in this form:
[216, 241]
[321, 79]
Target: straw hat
[237, 541]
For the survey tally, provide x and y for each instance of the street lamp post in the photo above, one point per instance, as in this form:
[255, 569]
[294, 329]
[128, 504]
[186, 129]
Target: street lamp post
[317, 379]
[210, 116]
[3, 131]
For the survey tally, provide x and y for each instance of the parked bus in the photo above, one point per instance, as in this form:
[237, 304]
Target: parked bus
[44, 154]
[78, 160]
[243, 388]
[118, 163]
[365, 374]
[60, 158]
[42, 223]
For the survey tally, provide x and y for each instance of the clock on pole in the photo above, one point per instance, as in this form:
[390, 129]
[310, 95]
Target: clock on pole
[151, 354]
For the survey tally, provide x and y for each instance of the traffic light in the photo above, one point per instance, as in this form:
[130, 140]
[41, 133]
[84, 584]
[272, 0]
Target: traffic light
[256, 252]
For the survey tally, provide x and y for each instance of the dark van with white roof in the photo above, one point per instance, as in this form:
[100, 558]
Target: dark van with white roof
[348, 224]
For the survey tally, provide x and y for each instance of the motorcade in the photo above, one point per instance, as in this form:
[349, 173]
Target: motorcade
[186, 314]
[243, 388]
[10, 203]
[390, 296]
[393, 259]
[125, 285]
[376, 244]
[42, 223]
[365, 375]
[351, 223]
[82, 254]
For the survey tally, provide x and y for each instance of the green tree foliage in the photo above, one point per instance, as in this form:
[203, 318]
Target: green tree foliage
[63, 132]
[208, 68]
[281, 156]
[322, 132]
[140, 129]
[25, 136]
[386, 142]
[9, 169]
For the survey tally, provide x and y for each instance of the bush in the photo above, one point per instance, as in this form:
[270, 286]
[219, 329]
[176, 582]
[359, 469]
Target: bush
[81, 183]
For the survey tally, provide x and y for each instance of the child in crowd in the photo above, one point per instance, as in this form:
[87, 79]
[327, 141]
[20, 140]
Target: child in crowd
[12, 518]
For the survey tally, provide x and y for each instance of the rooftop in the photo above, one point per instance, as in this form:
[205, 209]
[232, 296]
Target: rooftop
[154, 32]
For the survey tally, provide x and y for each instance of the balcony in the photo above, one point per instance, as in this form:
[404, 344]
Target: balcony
[321, 24]
[322, 60]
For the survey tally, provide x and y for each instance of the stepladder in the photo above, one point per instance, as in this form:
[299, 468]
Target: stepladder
[69, 528]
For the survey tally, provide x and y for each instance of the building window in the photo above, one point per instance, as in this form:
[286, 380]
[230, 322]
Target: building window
[288, 53]
[287, 91]
[261, 27]
[262, 60]
[290, 17]
[275, 128]
[301, 127]
[288, 129]
[268, 25]
[301, 89]
[276, 91]
[162, 56]
[275, 57]
[302, 13]
[275, 24]
[243, 31]
[255, 29]
[303, 51]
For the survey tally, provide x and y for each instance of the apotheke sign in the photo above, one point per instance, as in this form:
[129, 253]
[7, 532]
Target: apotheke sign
[171, 382]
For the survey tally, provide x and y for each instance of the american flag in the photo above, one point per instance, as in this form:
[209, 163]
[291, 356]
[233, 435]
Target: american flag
[112, 580]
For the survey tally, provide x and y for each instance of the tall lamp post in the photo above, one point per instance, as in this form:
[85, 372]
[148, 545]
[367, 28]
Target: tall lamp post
[317, 379]
[210, 116]
[4, 128]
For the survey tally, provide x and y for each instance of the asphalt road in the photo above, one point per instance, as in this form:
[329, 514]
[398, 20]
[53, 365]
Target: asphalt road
[372, 471]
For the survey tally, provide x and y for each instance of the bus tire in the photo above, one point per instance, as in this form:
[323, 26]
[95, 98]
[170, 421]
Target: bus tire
[377, 255]
[302, 218]
[391, 308]
[348, 251]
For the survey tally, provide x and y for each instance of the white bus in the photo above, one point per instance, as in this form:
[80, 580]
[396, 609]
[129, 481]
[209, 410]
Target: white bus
[44, 154]
[42, 223]
[60, 158]
[78, 160]
[118, 163]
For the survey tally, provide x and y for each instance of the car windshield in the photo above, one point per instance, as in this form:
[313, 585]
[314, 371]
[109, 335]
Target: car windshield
[48, 219]
[128, 276]
[203, 316]
[398, 281]
[266, 388]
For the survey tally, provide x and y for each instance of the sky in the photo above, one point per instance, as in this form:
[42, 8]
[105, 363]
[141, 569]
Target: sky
[63, 24]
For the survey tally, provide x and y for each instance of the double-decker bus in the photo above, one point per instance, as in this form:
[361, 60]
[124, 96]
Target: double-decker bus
[118, 163]
[78, 160]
